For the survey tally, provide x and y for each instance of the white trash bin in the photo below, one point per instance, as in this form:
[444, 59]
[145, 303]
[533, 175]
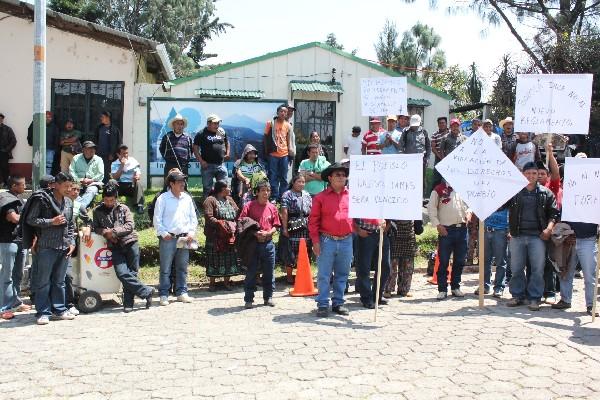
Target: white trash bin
[93, 274]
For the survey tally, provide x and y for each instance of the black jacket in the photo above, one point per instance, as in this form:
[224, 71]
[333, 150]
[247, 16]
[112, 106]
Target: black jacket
[246, 241]
[8, 141]
[52, 136]
[26, 232]
[116, 139]
[546, 211]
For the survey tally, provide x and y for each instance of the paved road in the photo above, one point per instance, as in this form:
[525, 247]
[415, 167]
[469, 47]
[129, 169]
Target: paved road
[418, 349]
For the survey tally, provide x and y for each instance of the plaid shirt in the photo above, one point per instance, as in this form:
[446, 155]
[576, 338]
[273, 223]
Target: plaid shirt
[509, 145]
[370, 225]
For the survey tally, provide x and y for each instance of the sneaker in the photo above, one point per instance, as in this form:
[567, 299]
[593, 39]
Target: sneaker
[184, 298]
[498, 293]
[149, 298]
[442, 295]
[515, 302]
[322, 312]
[457, 293]
[485, 291]
[66, 316]
[534, 305]
[368, 305]
[387, 295]
[550, 299]
[589, 311]
[43, 320]
[269, 302]
[341, 310]
[74, 311]
[127, 309]
[561, 305]
[383, 302]
[164, 301]
[248, 305]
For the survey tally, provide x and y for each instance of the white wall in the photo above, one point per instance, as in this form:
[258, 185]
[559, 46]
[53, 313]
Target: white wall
[68, 56]
[272, 76]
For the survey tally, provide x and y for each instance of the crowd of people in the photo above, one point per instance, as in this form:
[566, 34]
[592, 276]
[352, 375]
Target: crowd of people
[535, 254]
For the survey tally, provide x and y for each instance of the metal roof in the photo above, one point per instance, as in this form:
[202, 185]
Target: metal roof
[229, 93]
[389, 72]
[418, 102]
[316, 86]
[155, 50]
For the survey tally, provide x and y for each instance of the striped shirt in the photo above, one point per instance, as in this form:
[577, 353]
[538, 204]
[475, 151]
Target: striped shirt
[436, 139]
[371, 141]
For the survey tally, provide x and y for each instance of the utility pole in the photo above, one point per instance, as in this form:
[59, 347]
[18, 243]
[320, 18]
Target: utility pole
[39, 93]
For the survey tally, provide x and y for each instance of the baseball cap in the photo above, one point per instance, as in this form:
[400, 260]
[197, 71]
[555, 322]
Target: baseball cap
[213, 118]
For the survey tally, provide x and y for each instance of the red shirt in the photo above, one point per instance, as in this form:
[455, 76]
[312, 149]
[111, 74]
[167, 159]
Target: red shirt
[556, 188]
[266, 215]
[329, 214]
[371, 140]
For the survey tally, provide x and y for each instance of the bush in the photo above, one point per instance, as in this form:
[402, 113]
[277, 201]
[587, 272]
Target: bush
[427, 241]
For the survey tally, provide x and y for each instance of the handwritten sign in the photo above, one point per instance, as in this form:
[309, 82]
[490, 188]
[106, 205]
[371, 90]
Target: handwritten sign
[553, 103]
[383, 96]
[386, 186]
[581, 190]
[482, 174]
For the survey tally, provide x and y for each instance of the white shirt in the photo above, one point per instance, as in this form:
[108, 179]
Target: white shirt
[175, 215]
[497, 139]
[354, 144]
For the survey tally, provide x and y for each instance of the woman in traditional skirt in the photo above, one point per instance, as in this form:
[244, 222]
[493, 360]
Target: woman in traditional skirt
[220, 213]
[403, 252]
[295, 209]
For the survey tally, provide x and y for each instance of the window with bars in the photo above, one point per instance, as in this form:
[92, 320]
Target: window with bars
[84, 101]
[315, 115]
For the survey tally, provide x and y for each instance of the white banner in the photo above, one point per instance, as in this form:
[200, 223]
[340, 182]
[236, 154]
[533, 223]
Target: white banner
[481, 174]
[383, 96]
[553, 103]
[581, 190]
[386, 186]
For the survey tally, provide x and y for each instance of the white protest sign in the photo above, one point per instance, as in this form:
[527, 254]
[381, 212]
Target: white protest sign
[386, 186]
[581, 190]
[481, 174]
[553, 103]
[383, 96]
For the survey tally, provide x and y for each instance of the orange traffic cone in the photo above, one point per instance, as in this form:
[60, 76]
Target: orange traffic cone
[433, 280]
[303, 286]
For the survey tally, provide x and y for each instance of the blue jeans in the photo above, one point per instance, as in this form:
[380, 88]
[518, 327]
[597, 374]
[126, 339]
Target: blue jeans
[126, 262]
[17, 273]
[50, 282]
[265, 258]
[454, 243]
[368, 249]
[523, 248]
[586, 251]
[217, 172]
[8, 253]
[88, 195]
[496, 246]
[49, 160]
[335, 257]
[169, 255]
[278, 170]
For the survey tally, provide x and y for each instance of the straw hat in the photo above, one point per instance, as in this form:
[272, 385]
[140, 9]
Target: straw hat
[505, 120]
[178, 117]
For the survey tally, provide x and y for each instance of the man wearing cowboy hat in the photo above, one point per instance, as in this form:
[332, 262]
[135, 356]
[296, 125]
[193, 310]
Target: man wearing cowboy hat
[330, 229]
[509, 139]
[176, 146]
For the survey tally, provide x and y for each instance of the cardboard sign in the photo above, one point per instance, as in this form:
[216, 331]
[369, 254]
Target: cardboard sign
[386, 186]
[581, 190]
[553, 103]
[481, 174]
[383, 96]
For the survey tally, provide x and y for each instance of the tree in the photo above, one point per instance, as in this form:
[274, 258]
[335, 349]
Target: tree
[453, 81]
[474, 86]
[332, 41]
[504, 90]
[386, 46]
[184, 26]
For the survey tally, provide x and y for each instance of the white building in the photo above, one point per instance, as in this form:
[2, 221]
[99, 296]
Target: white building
[321, 81]
[90, 68]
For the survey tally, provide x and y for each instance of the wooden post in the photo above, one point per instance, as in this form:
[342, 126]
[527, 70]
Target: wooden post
[481, 242]
[596, 285]
[378, 285]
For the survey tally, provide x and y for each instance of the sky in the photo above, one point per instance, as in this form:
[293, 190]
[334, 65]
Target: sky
[264, 26]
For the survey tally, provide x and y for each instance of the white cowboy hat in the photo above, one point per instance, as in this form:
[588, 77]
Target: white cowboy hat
[178, 117]
[505, 120]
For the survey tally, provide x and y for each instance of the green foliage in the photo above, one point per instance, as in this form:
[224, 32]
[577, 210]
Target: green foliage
[332, 41]
[474, 86]
[504, 90]
[454, 81]
[427, 241]
[184, 26]
[386, 46]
